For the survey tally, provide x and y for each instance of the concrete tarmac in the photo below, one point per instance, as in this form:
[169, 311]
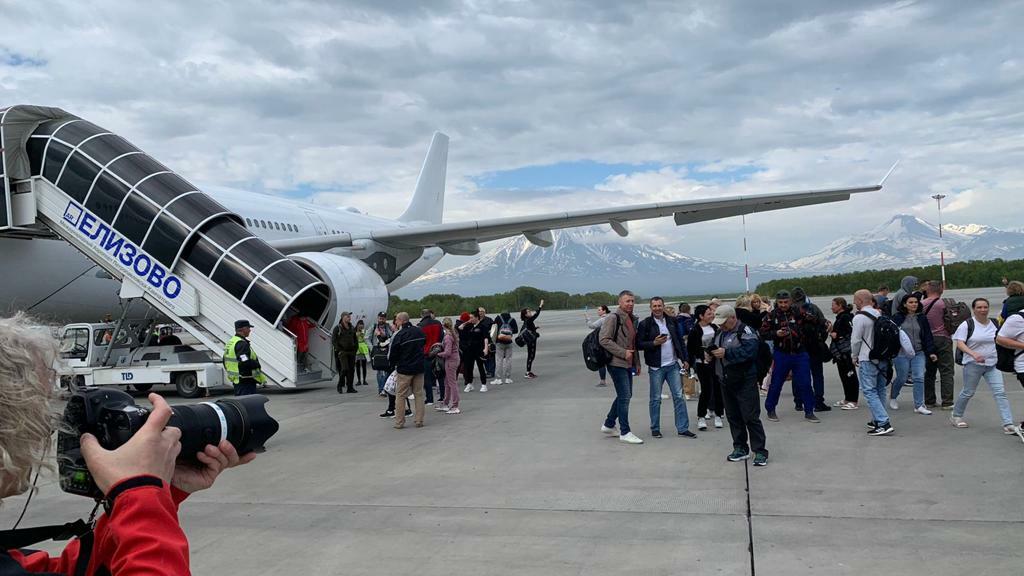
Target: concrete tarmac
[524, 483]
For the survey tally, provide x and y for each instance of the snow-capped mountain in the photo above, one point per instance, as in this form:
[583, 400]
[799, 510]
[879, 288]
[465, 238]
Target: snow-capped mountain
[585, 260]
[907, 240]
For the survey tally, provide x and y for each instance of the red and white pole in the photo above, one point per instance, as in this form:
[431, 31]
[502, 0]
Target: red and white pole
[942, 243]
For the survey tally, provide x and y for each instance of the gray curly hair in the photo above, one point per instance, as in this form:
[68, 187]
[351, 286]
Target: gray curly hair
[26, 356]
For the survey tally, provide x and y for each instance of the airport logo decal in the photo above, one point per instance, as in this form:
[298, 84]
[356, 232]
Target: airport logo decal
[130, 256]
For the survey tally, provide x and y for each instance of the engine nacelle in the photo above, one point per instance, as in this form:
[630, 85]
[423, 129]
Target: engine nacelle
[355, 286]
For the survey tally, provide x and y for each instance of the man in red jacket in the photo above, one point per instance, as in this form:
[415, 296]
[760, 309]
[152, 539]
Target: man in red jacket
[142, 482]
[433, 333]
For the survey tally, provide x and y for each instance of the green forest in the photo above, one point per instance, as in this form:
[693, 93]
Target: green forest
[521, 297]
[973, 274]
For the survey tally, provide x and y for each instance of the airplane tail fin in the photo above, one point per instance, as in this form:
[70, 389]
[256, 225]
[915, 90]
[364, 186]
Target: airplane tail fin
[428, 200]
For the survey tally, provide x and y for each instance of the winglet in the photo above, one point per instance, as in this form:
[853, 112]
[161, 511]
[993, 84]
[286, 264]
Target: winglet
[884, 178]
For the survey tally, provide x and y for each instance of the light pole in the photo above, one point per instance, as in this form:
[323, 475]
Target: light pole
[942, 244]
[746, 259]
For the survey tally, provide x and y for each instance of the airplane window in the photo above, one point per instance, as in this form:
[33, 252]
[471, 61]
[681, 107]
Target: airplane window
[248, 222]
[263, 223]
[277, 226]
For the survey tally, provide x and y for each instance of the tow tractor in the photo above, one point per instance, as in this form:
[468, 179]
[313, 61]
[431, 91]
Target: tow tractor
[127, 354]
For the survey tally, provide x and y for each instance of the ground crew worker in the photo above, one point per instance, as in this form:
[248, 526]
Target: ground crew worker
[241, 363]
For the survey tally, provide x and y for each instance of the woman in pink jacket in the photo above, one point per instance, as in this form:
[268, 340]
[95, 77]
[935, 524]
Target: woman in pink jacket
[452, 361]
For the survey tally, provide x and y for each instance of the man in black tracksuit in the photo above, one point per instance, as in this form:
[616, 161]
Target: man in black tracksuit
[735, 362]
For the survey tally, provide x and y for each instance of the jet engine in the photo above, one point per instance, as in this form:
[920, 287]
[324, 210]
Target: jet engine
[355, 286]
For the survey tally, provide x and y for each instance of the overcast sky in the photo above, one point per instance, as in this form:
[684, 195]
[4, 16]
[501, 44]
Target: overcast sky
[552, 105]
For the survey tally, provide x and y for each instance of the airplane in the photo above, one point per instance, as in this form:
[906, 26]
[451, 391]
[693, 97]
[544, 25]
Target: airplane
[52, 280]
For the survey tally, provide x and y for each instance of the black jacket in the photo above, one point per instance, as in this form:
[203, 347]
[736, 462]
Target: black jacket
[246, 363]
[406, 352]
[648, 330]
[695, 343]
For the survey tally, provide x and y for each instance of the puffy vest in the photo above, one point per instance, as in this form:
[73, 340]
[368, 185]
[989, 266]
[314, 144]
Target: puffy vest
[231, 362]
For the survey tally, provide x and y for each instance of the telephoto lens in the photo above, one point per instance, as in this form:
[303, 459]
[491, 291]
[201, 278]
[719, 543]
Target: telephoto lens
[242, 421]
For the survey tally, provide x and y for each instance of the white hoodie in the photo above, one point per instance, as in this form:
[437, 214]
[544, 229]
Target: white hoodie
[863, 337]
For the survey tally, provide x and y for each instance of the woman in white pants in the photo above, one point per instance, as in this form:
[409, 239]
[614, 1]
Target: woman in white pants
[976, 339]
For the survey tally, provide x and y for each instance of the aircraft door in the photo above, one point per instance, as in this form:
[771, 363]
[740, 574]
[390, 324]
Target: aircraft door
[318, 223]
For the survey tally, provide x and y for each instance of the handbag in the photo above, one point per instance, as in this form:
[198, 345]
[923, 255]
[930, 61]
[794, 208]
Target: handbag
[391, 383]
[840, 349]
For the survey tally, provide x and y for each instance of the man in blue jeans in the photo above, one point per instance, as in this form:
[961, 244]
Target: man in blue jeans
[873, 374]
[618, 337]
[789, 327]
[657, 336]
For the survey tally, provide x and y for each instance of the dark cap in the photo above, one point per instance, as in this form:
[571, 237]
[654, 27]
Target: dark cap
[239, 324]
[782, 295]
[382, 315]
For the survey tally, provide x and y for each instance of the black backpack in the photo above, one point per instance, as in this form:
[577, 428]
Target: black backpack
[886, 336]
[379, 358]
[958, 356]
[594, 355]
[1006, 358]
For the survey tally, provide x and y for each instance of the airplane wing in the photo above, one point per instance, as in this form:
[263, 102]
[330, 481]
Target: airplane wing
[463, 238]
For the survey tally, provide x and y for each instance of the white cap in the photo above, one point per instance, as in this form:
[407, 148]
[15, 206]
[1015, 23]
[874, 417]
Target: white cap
[723, 313]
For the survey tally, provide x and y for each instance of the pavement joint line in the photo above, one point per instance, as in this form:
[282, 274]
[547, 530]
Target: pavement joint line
[750, 520]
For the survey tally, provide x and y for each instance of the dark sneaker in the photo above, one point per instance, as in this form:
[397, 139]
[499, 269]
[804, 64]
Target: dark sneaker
[760, 459]
[408, 412]
[822, 408]
[882, 430]
[947, 407]
[772, 416]
[656, 433]
[737, 455]
[687, 434]
[799, 407]
[812, 419]
[387, 414]
[872, 424]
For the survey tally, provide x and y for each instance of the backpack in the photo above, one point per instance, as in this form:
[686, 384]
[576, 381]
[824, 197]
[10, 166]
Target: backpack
[505, 332]
[379, 358]
[1006, 358]
[958, 356]
[956, 313]
[594, 355]
[886, 336]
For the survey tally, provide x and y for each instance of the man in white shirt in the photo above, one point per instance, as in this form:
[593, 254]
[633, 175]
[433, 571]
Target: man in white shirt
[1011, 335]
[870, 373]
[663, 352]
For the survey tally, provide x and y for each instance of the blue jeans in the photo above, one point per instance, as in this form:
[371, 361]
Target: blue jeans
[669, 374]
[818, 380]
[972, 377]
[915, 367]
[382, 378]
[872, 387]
[623, 380]
[602, 373]
[799, 364]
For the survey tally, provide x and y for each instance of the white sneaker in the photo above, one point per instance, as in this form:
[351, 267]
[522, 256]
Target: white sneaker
[468, 388]
[922, 410]
[630, 439]
[609, 431]
[441, 408]
[483, 387]
[702, 424]
[454, 411]
[664, 396]
[718, 421]
[508, 380]
[412, 397]
[894, 404]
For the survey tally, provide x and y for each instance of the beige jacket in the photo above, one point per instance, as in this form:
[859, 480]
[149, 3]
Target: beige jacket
[617, 337]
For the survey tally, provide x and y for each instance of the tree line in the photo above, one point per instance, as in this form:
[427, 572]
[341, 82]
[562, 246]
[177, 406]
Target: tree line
[513, 301]
[972, 274]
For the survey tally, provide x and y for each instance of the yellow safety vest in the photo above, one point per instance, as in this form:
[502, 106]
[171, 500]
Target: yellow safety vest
[231, 362]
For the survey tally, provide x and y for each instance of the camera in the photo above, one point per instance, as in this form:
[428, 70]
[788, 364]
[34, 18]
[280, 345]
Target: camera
[113, 418]
[711, 348]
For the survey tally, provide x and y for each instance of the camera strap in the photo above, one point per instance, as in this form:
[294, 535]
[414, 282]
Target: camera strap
[21, 538]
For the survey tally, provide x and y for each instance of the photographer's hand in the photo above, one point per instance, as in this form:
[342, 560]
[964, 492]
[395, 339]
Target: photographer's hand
[150, 452]
[215, 459]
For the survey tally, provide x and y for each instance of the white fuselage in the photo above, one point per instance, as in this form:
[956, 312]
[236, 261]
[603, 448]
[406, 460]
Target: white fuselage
[53, 281]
